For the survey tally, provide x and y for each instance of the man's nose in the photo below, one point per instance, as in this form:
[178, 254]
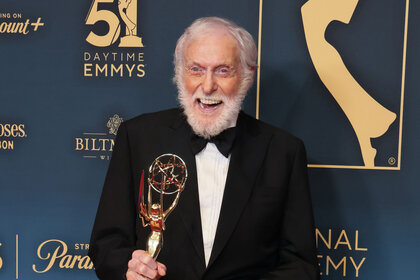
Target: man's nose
[209, 84]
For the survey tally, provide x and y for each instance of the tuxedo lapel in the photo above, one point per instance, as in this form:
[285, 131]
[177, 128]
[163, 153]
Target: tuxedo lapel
[190, 211]
[189, 205]
[247, 156]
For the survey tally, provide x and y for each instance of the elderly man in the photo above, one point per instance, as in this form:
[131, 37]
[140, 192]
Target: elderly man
[245, 211]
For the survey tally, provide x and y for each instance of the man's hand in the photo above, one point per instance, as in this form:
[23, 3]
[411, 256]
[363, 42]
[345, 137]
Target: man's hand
[142, 266]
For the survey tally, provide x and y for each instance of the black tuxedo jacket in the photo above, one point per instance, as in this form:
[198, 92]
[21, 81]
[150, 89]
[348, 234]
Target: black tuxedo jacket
[265, 229]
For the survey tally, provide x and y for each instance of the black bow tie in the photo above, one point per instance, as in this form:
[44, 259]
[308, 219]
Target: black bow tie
[223, 141]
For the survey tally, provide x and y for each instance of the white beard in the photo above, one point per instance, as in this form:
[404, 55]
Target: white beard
[226, 119]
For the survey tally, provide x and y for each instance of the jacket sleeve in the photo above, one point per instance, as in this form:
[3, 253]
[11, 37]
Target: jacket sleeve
[297, 253]
[113, 236]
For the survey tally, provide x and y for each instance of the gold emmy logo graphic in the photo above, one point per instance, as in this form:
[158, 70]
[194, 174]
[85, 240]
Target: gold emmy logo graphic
[121, 24]
[128, 12]
[99, 144]
[368, 118]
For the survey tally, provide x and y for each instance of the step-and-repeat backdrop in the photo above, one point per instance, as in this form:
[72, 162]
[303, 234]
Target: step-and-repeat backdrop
[343, 75]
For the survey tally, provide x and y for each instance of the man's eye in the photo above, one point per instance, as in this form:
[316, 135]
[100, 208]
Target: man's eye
[195, 70]
[223, 71]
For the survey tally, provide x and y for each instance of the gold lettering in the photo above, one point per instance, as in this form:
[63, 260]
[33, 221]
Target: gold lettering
[21, 130]
[93, 145]
[14, 27]
[65, 262]
[101, 70]
[25, 31]
[116, 70]
[86, 56]
[112, 145]
[318, 234]
[343, 261]
[75, 258]
[81, 246]
[141, 57]
[7, 130]
[357, 243]
[14, 130]
[6, 145]
[130, 57]
[96, 57]
[357, 267]
[105, 56]
[339, 242]
[3, 27]
[103, 143]
[88, 69]
[56, 255]
[85, 263]
[130, 69]
[79, 144]
[141, 70]
[60, 252]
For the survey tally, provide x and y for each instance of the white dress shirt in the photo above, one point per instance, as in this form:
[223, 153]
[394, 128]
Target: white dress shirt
[212, 169]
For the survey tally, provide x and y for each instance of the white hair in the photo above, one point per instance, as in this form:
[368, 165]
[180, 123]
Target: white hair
[246, 46]
[247, 54]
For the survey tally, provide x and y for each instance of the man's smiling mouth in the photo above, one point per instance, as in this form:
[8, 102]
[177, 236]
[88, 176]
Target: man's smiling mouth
[206, 103]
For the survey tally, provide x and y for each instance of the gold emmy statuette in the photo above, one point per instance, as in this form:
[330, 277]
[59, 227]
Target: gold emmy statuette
[167, 177]
[128, 13]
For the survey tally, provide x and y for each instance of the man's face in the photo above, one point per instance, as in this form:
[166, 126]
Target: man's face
[212, 78]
